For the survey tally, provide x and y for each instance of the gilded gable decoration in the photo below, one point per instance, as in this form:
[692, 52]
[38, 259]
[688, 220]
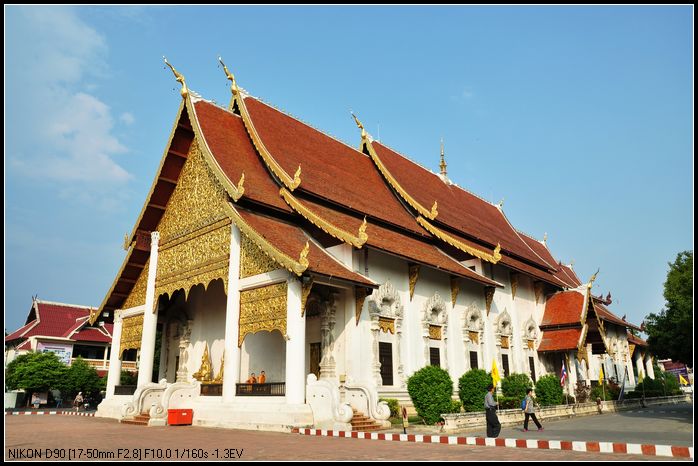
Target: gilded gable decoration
[137, 295]
[489, 296]
[306, 286]
[494, 257]
[361, 294]
[455, 288]
[131, 332]
[263, 309]
[252, 260]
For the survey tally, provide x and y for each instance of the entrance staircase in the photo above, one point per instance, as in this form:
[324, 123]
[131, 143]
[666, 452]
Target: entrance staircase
[361, 422]
[140, 420]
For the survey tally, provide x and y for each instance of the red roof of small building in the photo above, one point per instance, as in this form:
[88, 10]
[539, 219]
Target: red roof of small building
[633, 340]
[93, 334]
[563, 308]
[559, 339]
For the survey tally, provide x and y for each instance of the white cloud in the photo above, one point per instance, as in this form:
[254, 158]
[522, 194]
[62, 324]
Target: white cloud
[127, 118]
[61, 132]
[468, 93]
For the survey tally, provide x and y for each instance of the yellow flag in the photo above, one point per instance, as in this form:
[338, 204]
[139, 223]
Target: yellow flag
[640, 379]
[601, 375]
[495, 373]
[682, 380]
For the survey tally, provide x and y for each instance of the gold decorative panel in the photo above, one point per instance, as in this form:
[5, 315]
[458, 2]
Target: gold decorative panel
[455, 288]
[386, 325]
[197, 201]
[505, 342]
[489, 296]
[435, 332]
[131, 332]
[360, 298]
[530, 344]
[252, 260]
[413, 275]
[198, 257]
[305, 292]
[137, 295]
[631, 349]
[263, 309]
[474, 337]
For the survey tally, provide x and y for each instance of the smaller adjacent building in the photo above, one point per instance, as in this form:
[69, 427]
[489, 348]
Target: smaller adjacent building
[64, 329]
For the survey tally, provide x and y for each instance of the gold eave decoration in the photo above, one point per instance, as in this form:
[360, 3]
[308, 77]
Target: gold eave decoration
[180, 79]
[413, 276]
[360, 298]
[290, 183]
[489, 296]
[514, 277]
[455, 288]
[305, 292]
[354, 240]
[494, 257]
[366, 142]
[131, 333]
[295, 266]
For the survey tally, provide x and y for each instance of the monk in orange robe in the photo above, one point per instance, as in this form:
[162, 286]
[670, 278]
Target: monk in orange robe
[262, 377]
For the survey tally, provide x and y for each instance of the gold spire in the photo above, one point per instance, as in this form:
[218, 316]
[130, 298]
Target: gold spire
[180, 78]
[231, 78]
[361, 126]
[442, 165]
[593, 277]
[545, 237]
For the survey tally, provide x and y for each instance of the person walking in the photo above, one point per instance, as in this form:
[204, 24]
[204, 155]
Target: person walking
[493, 424]
[77, 402]
[530, 410]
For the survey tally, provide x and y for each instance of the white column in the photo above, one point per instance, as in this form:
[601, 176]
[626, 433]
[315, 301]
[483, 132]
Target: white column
[114, 375]
[104, 360]
[650, 368]
[571, 373]
[150, 316]
[231, 364]
[295, 345]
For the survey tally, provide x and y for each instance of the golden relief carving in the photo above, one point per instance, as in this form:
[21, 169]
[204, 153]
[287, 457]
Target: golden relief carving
[386, 325]
[474, 337]
[631, 349]
[131, 332]
[263, 309]
[360, 298]
[489, 296]
[305, 292]
[538, 290]
[443, 236]
[514, 277]
[413, 275]
[455, 288]
[435, 332]
[530, 344]
[332, 230]
[205, 372]
[219, 377]
[196, 258]
[272, 164]
[292, 265]
[505, 342]
[137, 295]
[197, 201]
[252, 260]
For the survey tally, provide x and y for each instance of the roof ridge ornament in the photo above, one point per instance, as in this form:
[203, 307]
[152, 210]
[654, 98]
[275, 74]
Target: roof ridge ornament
[233, 85]
[363, 236]
[180, 78]
[593, 277]
[442, 165]
[545, 238]
[434, 210]
[364, 134]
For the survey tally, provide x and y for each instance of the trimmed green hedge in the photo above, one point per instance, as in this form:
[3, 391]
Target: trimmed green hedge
[515, 385]
[472, 388]
[548, 391]
[431, 389]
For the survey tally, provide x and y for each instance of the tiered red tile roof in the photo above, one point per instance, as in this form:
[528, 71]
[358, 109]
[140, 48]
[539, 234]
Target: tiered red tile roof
[633, 340]
[559, 340]
[563, 308]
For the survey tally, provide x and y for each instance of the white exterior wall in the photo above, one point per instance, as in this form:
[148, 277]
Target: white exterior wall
[207, 310]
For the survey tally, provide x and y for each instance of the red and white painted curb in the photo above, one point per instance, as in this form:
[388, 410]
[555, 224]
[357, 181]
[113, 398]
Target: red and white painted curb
[47, 413]
[600, 447]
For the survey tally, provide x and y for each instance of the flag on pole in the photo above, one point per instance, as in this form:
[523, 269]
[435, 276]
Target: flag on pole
[601, 374]
[682, 380]
[641, 378]
[563, 374]
[495, 373]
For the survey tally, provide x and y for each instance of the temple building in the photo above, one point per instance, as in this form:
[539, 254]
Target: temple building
[267, 245]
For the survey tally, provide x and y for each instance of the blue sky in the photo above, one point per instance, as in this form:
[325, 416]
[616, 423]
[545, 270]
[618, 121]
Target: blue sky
[580, 118]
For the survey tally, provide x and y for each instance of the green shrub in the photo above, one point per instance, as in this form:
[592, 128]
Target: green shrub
[604, 393]
[548, 391]
[456, 406]
[515, 385]
[430, 389]
[394, 406]
[472, 388]
[510, 402]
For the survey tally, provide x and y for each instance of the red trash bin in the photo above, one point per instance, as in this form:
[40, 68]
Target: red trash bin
[180, 417]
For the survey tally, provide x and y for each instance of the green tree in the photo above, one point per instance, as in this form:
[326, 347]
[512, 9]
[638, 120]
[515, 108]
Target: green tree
[472, 388]
[515, 385]
[35, 372]
[671, 331]
[80, 377]
[548, 391]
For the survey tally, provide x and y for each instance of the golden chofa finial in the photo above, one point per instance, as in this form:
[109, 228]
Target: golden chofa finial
[231, 78]
[360, 125]
[442, 165]
[180, 78]
[363, 236]
[497, 254]
[593, 277]
[127, 242]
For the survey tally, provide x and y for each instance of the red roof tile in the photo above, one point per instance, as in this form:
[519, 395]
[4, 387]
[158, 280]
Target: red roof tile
[232, 148]
[633, 340]
[290, 240]
[92, 334]
[559, 340]
[568, 275]
[400, 244]
[563, 308]
[457, 208]
[608, 316]
[17, 334]
[330, 169]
